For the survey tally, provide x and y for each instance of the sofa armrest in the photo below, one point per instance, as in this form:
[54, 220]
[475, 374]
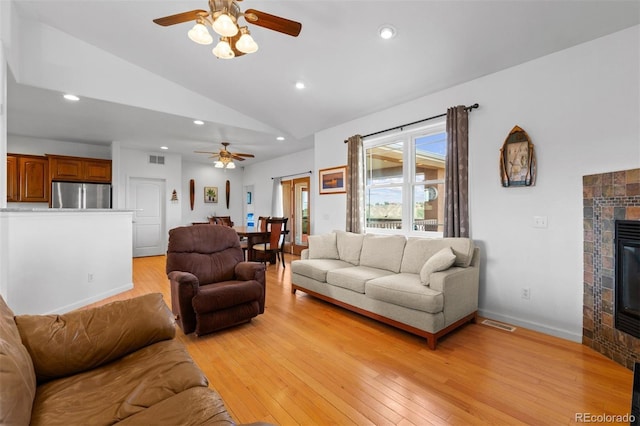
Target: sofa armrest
[304, 254]
[61, 345]
[459, 287]
[246, 271]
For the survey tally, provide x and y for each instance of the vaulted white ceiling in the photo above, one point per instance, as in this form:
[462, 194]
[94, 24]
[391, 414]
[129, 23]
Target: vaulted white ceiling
[143, 84]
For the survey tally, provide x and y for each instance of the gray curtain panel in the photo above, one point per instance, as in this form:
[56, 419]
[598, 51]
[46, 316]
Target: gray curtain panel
[456, 212]
[355, 185]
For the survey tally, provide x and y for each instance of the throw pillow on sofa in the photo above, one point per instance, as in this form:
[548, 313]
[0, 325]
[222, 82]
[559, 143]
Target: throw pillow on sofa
[323, 246]
[440, 261]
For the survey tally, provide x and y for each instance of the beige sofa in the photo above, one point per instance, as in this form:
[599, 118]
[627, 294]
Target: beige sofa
[118, 363]
[424, 286]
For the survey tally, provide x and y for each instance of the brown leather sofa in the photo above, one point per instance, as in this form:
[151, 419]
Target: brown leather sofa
[212, 287]
[118, 363]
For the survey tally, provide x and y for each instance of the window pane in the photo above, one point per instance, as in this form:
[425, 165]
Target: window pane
[428, 207]
[384, 208]
[430, 156]
[384, 164]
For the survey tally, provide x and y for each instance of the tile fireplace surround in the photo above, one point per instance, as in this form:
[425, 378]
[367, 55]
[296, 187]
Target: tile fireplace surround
[607, 197]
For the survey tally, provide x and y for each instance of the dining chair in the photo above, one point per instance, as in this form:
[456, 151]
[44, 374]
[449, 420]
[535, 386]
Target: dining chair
[275, 242]
[262, 227]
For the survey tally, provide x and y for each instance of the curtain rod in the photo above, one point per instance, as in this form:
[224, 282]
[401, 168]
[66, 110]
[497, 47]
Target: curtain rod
[295, 174]
[468, 108]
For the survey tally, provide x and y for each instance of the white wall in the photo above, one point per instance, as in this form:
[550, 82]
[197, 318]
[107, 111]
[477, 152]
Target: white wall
[207, 175]
[57, 261]
[581, 109]
[35, 146]
[259, 177]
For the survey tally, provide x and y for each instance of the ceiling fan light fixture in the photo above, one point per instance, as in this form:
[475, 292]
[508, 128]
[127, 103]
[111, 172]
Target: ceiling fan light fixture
[246, 43]
[223, 49]
[225, 25]
[200, 34]
[218, 164]
[231, 165]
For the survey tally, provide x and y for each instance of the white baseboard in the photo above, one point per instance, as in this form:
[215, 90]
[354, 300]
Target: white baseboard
[92, 299]
[552, 331]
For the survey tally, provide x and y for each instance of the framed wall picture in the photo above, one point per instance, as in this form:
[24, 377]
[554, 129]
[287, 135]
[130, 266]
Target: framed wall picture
[332, 181]
[210, 194]
[517, 160]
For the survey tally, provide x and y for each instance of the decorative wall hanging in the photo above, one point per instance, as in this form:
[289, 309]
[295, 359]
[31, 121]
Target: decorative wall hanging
[517, 160]
[174, 196]
[227, 192]
[332, 180]
[210, 194]
[192, 192]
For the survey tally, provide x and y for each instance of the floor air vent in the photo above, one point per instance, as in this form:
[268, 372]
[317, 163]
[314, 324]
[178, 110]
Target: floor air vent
[499, 325]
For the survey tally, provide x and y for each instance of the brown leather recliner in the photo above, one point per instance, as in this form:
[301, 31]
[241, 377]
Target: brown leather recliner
[212, 287]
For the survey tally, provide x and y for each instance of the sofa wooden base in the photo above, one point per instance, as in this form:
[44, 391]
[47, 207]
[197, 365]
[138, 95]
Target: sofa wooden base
[432, 338]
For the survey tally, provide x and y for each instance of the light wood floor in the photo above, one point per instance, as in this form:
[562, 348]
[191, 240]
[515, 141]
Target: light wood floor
[307, 362]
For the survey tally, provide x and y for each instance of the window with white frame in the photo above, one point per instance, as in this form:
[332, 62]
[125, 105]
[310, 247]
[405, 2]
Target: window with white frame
[404, 189]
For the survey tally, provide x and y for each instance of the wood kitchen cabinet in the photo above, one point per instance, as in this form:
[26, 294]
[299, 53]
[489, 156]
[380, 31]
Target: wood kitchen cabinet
[12, 178]
[78, 169]
[33, 178]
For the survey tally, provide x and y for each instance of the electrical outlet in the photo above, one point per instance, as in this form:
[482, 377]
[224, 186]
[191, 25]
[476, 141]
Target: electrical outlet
[539, 221]
[526, 293]
[90, 278]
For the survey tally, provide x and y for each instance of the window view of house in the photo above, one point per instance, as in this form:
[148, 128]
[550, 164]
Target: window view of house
[406, 170]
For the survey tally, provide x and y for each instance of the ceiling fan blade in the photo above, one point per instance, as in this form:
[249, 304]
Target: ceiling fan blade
[235, 157]
[180, 17]
[244, 155]
[276, 23]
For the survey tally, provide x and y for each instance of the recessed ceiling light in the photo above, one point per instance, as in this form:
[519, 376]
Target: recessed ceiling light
[300, 85]
[280, 138]
[71, 97]
[164, 147]
[198, 122]
[387, 32]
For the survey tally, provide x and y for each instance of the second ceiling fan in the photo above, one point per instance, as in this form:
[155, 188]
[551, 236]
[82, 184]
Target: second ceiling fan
[223, 15]
[224, 158]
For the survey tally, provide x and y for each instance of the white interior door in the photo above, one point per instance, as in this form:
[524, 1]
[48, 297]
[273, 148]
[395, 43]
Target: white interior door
[146, 198]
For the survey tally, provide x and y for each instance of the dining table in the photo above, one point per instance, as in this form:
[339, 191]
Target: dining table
[254, 236]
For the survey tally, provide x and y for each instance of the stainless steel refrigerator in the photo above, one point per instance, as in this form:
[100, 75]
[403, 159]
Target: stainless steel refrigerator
[72, 195]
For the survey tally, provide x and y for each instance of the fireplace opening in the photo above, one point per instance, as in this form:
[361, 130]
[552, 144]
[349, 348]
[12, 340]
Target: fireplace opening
[627, 282]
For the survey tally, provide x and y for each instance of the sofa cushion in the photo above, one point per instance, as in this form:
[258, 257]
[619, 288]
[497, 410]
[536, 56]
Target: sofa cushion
[115, 391]
[323, 246]
[418, 250]
[440, 261]
[405, 290]
[382, 251]
[17, 376]
[316, 269]
[202, 406]
[349, 246]
[354, 278]
[61, 345]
